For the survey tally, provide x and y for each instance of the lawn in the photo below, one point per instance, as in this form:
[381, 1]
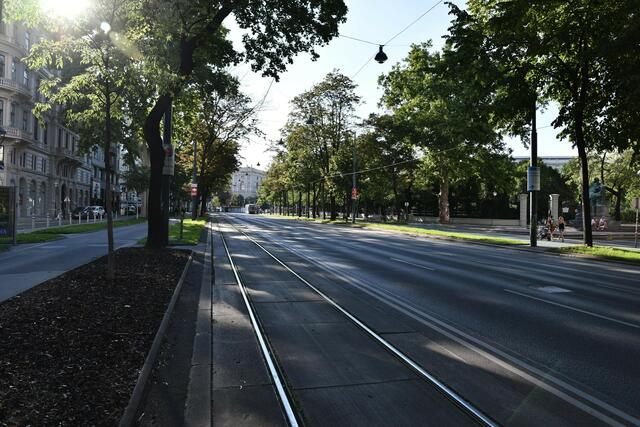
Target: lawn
[86, 228]
[407, 229]
[607, 252]
[191, 232]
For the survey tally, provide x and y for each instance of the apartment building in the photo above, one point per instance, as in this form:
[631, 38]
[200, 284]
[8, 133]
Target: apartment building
[41, 159]
[246, 182]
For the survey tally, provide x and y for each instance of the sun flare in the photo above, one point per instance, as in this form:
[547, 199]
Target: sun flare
[68, 9]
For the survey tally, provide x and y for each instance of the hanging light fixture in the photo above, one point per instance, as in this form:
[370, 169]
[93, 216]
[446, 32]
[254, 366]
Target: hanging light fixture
[380, 56]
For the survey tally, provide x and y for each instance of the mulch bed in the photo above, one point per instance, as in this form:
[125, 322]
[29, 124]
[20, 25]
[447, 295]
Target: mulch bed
[71, 348]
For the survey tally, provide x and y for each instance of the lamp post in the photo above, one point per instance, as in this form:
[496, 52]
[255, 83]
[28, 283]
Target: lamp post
[354, 189]
[194, 184]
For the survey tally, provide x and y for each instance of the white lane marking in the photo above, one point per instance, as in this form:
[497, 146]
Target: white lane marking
[51, 247]
[552, 289]
[413, 264]
[477, 345]
[568, 307]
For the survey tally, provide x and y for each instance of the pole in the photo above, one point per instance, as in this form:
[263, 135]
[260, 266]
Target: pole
[194, 180]
[354, 196]
[166, 179]
[635, 240]
[324, 212]
[533, 228]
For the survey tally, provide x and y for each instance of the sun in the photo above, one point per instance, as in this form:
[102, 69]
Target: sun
[68, 9]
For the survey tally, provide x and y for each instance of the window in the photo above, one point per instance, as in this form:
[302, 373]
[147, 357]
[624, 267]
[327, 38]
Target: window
[2, 65]
[66, 140]
[44, 165]
[45, 134]
[34, 160]
[59, 137]
[27, 40]
[23, 159]
[13, 70]
[25, 77]
[25, 120]
[13, 156]
[1, 112]
[36, 128]
[2, 154]
[73, 144]
[12, 118]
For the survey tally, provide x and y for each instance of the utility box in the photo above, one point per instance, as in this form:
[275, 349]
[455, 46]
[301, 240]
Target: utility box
[8, 227]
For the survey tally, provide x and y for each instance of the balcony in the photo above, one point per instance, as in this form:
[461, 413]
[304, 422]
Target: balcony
[19, 134]
[15, 86]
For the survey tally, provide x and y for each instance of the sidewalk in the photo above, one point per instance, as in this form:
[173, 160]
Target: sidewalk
[210, 370]
[623, 239]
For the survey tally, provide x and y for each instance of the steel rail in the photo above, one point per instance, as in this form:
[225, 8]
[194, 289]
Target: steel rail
[471, 410]
[266, 352]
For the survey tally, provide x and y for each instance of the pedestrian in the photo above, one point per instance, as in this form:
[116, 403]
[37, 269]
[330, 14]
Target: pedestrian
[550, 228]
[593, 223]
[561, 228]
[603, 224]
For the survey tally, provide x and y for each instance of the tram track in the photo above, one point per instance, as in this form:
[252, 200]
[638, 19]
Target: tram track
[581, 399]
[285, 393]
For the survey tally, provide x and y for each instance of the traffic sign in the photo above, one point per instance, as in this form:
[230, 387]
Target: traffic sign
[636, 203]
[194, 191]
[533, 179]
[354, 193]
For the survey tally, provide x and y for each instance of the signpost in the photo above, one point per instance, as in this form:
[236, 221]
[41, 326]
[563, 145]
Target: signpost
[636, 206]
[194, 190]
[354, 193]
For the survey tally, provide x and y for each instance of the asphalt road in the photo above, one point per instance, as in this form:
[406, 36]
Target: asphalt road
[529, 338]
[26, 266]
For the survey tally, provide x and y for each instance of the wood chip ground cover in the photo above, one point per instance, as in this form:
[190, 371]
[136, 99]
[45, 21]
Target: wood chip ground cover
[71, 348]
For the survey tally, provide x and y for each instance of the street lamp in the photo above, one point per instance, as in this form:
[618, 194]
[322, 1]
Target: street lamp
[380, 57]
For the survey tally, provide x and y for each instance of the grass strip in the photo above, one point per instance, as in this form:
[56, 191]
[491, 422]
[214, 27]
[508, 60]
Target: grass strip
[606, 252]
[191, 232]
[407, 229]
[86, 228]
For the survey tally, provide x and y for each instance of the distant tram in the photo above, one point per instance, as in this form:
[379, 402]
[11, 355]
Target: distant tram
[251, 209]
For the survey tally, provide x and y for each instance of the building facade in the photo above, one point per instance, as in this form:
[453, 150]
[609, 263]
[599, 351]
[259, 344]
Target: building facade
[41, 159]
[555, 162]
[246, 181]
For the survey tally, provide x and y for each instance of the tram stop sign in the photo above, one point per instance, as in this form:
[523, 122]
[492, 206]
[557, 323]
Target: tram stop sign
[354, 193]
[194, 190]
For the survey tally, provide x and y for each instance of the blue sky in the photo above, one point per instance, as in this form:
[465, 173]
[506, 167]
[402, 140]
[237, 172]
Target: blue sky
[376, 21]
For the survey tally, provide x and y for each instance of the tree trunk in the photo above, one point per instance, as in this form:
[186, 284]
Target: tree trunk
[299, 204]
[443, 200]
[203, 200]
[315, 201]
[332, 206]
[584, 173]
[107, 165]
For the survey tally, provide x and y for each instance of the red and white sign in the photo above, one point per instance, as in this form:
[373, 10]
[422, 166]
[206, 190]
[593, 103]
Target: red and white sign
[354, 193]
[194, 191]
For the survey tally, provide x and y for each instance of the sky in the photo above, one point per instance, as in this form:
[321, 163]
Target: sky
[376, 21]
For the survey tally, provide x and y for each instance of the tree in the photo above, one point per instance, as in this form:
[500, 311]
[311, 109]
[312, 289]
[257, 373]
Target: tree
[94, 75]
[217, 116]
[323, 117]
[447, 110]
[581, 57]
[187, 33]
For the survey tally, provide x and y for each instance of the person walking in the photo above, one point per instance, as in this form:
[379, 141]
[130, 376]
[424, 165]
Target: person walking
[550, 227]
[561, 228]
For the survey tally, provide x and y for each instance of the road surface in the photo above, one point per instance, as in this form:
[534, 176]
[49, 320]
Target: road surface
[25, 266]
[526, 337]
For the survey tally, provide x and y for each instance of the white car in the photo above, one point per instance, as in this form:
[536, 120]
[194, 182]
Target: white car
[96, 211]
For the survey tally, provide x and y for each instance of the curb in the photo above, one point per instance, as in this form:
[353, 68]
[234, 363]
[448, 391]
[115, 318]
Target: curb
[137, 396]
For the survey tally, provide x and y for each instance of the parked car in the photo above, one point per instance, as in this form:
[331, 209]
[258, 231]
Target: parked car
[97, 211]
[80, 210]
